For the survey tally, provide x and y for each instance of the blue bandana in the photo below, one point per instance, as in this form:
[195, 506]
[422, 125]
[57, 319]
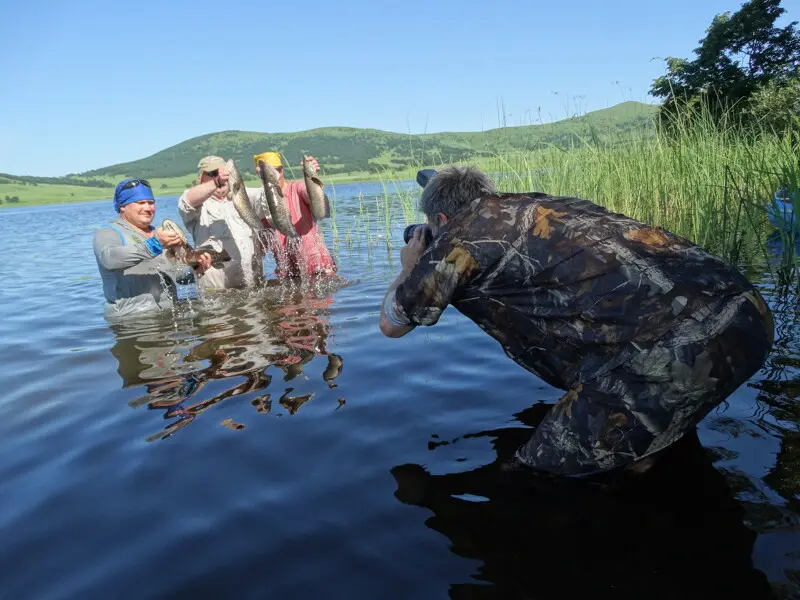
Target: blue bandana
[134, 194]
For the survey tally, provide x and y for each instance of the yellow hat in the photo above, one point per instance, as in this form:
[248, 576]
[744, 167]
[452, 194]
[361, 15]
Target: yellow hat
[209, 163]
[270, 158]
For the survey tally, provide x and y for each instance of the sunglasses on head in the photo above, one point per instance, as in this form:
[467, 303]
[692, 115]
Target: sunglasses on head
[135, 182]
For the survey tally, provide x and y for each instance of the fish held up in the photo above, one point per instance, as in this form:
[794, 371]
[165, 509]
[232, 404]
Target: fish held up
[185, 253]
[276, 202]
[240, 198]
[320, 208]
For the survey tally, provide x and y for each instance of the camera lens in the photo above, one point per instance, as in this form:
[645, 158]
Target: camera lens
[409, 233]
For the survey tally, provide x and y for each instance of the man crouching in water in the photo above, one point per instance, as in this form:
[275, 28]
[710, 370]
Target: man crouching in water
[645, 331]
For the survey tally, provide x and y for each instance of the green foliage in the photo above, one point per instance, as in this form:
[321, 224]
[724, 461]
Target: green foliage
[741, 53]
[68, 180]
[776, 105]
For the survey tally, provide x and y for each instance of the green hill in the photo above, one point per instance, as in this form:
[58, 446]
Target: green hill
[345, 153]
[348, 150]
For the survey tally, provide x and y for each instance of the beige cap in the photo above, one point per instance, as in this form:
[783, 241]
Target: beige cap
[209, 163]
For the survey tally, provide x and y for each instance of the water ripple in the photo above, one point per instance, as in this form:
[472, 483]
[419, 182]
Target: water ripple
[274, 443]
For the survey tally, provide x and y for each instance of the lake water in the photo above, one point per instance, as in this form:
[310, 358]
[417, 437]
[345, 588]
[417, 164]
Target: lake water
[216, 453]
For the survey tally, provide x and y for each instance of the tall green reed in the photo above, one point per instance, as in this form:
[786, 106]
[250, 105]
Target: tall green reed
[704, 178]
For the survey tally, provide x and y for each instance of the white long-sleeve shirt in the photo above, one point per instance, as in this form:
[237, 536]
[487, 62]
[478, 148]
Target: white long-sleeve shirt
[216, 223]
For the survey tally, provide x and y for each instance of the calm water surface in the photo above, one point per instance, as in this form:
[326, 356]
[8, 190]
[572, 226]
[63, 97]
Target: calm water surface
[276, 445]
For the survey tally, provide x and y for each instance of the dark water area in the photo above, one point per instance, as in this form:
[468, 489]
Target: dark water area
[273, 444]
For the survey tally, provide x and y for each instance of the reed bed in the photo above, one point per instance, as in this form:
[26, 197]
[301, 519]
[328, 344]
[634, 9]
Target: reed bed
[712, 182]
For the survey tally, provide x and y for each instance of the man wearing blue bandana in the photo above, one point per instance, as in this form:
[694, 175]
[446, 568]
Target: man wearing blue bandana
[137, 276]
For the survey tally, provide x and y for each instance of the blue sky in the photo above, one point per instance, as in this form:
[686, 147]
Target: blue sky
[92, 83]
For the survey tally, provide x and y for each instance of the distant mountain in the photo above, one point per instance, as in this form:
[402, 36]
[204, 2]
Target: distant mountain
[347, 150]
[68, 180]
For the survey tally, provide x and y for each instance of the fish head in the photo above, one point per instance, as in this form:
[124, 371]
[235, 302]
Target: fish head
[271, 175]
[308, 170]
[233, 171]
[172, 227]
[268, 172]
[234, 176]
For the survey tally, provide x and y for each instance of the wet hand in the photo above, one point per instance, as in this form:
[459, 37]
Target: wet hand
[312, 161]
[411, 253]
[168, 239]
[203, 262]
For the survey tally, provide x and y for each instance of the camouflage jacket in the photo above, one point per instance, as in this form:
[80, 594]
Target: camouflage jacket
[566, 287]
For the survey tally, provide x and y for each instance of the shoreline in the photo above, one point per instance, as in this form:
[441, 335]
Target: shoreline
[59, 199]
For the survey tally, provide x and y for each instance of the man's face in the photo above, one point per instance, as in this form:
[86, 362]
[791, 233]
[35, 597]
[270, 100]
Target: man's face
[219, 192]
[435, 223]
[139, 214]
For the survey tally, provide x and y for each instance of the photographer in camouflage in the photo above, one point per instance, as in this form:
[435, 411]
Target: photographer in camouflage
[645, 331]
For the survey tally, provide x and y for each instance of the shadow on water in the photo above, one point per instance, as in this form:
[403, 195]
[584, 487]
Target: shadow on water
[282, 327]
[675, 532]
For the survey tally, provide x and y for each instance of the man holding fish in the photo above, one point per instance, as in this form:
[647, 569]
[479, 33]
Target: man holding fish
[222, 213]
[135, 259]
[645, 331]
[297, 242]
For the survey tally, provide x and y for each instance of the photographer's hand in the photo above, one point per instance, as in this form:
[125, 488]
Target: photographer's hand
[411, 253]
[409, 257]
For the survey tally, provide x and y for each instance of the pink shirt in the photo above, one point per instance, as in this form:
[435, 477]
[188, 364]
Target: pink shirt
[309, 254]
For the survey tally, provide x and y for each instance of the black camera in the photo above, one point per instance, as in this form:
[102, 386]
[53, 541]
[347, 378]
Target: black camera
[423, 177]
[409, 233]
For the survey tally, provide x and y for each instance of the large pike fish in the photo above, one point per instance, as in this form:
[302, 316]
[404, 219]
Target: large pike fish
[186, 253]
[240, 199]
[278, 210]
[319, 205]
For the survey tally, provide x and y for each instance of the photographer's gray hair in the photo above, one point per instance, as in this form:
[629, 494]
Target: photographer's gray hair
[452, 188]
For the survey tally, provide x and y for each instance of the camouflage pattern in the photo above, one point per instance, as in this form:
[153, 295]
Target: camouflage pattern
[646, 331]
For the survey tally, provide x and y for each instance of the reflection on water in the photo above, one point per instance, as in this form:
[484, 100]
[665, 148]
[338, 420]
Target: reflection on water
[284, 326]
[674, 532]
[686, 529]
[301, 412]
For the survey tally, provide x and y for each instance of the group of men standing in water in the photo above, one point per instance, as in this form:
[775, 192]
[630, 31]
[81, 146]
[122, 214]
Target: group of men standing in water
[133, 255]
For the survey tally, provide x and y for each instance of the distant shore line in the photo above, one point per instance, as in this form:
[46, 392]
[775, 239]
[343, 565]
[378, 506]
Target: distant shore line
[91, 193]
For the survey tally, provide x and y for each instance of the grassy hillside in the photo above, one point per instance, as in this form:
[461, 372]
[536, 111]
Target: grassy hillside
[344, 153]
[348, 150]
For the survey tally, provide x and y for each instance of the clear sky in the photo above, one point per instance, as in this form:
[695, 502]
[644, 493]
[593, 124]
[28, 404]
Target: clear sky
[86, 84]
